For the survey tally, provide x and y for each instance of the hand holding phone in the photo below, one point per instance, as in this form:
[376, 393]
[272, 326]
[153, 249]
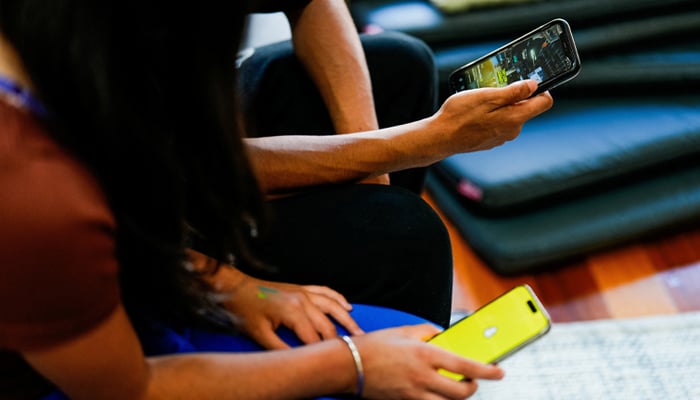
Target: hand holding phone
[547, 55]
[498, 329]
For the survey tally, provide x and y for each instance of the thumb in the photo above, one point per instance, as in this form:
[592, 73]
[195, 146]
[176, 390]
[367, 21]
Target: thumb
[516, 92]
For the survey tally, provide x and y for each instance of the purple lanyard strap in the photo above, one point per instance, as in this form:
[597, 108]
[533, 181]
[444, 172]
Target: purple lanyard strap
[22, 97]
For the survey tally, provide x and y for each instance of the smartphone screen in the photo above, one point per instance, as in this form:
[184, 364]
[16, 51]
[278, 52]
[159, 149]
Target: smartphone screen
[498, 329]
[548, 55]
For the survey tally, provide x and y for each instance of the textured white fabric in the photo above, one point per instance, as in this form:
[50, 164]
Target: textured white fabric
[642, 358]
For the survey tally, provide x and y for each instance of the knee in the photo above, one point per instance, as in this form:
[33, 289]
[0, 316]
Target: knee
[404, 77]
[409, 54]
[408, 224]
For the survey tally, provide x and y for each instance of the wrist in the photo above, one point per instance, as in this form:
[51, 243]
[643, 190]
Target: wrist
[437, 140]
[228, 279]
[357, 363]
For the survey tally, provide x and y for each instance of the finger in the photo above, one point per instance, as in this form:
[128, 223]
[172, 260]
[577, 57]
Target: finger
[377, 180]
[546, 98]
[328, 292]
[453, 389]
[433, 396]
[316, 313]
[343, 317]
[303, 327]
[514, 92]
[468, 368]
[483, 371]
[533, 106]
[267, 338]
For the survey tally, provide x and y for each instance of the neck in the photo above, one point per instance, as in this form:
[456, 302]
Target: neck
[11, 65]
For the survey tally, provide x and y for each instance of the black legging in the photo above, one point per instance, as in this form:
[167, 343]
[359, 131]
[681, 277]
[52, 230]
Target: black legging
[374, 244]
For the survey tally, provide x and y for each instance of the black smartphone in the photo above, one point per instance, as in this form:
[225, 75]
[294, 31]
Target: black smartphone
[547, 54]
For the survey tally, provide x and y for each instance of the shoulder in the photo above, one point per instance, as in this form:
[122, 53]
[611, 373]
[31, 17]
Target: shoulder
[57, 246]
[43, 189]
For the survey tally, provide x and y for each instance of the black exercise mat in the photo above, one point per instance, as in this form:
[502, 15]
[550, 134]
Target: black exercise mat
[528, 241]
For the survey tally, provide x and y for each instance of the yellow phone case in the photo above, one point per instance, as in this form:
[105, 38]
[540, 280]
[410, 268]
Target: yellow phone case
[498, 329]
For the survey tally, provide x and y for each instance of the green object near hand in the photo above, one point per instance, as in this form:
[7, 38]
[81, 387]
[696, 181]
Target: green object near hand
[263, 291]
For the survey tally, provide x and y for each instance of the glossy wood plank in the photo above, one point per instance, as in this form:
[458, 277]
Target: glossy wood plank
[571, 294]
[684, 285]
[649, 277]
[626, 278]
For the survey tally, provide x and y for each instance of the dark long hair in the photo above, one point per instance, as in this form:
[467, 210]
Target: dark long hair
[142, 92]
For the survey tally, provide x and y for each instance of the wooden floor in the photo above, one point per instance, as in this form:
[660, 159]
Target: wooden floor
[660, 276]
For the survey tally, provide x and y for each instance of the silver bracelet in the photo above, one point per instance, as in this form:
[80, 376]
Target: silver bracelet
[358, 364]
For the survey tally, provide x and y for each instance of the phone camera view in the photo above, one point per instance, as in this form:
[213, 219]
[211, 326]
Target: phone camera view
[540, 57]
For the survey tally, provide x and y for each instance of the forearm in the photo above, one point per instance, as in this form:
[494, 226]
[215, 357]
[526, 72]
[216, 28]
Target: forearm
[327, 43]
[285, 163]
[107, 362]
[322, 368]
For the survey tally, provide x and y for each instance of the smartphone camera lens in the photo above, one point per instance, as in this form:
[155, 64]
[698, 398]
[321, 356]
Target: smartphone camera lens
[532, 306]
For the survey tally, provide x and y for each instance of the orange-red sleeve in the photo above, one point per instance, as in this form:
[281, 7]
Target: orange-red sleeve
[58, 268]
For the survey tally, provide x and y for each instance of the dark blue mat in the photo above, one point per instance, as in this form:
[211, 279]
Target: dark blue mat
[516, 243]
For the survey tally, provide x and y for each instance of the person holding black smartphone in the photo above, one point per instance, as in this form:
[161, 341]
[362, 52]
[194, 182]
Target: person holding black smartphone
[329, 80]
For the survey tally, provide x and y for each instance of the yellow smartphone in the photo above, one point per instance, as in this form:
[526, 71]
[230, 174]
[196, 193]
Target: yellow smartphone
[498, 329]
